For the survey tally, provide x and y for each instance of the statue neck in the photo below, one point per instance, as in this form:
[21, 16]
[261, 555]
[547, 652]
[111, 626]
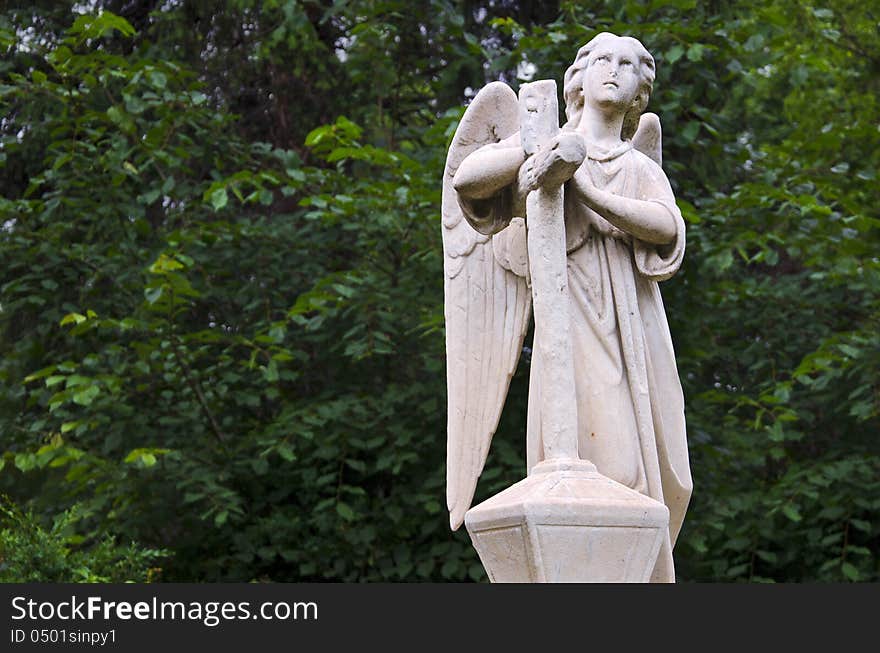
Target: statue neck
[600, 127]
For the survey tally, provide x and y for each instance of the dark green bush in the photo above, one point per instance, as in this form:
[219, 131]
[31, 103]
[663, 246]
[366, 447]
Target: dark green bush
[33, 553]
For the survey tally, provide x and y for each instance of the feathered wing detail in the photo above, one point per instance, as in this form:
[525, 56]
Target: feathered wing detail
[486, 306]
[648, 138]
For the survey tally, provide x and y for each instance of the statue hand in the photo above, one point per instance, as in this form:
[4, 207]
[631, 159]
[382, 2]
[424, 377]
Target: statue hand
[554, 163]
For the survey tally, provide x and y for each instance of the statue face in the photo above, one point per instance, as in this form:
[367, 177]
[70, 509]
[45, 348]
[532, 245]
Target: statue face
[611, 78]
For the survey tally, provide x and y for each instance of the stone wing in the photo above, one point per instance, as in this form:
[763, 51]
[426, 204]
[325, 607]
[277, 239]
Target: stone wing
[648, 138]
[487, 306]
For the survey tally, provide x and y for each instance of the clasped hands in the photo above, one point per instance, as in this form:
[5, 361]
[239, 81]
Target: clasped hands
[554, 163]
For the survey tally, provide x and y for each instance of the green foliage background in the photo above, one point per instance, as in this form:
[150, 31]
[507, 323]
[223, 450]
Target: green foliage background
[221, 291]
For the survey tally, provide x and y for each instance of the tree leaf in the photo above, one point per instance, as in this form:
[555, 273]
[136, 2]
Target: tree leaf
[345, 511]
[219, 198]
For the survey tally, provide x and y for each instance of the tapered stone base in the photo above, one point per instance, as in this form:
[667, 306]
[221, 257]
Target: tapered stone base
[566, 522]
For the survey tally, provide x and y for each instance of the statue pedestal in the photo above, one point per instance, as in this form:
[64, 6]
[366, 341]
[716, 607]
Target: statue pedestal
[566, 522]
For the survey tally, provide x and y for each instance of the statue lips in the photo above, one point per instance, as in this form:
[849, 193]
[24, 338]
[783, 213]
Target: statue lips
[609, 91]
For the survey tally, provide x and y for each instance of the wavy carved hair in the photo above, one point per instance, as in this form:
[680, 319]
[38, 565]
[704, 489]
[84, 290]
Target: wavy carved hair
[573, 83]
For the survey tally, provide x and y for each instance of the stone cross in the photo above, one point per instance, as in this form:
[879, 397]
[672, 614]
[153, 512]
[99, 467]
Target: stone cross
[550, 164]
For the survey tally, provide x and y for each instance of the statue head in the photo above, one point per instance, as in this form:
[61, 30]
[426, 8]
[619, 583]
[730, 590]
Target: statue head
[573, 83]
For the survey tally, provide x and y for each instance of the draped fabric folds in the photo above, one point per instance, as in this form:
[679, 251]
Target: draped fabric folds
[629, 399]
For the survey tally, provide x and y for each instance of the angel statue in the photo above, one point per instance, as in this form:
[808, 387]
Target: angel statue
[603, 369]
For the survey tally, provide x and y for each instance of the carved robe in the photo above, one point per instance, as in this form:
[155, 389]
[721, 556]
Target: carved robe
[625, 373]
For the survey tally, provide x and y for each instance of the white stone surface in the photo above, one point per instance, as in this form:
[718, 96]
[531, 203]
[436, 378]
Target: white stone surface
[567, 523]
[549, 165]
[584, 225]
